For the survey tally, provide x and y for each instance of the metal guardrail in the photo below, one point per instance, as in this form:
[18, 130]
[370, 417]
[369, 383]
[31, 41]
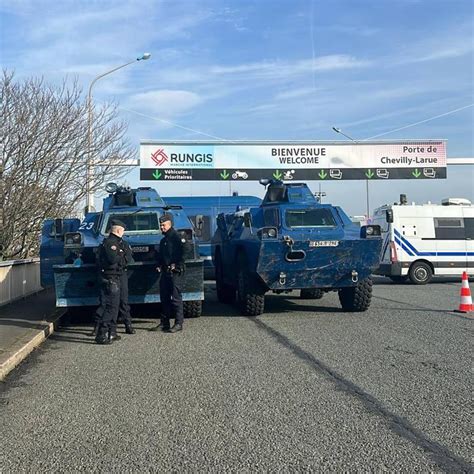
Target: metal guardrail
[19, 278]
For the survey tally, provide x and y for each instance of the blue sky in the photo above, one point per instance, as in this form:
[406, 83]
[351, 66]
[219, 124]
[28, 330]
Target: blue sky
[266, 70]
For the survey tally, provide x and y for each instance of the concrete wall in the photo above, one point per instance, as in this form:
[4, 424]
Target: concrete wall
[19, 278]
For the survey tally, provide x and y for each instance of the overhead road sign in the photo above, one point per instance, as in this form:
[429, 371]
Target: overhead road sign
[250, 161]
[460, 161]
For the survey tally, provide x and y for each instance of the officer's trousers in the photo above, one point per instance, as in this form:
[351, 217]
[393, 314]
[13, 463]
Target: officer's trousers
[171, 300]
[113, 302]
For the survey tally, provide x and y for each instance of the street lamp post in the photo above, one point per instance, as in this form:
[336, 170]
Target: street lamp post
[338, 130]
[2, 161]
[90, 164]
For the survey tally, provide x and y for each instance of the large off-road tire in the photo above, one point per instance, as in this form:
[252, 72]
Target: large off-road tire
[192, 309]
[225, 293]
[356, 298]
[311, 293]
[420, 273]
[399, 278]
[250, 295]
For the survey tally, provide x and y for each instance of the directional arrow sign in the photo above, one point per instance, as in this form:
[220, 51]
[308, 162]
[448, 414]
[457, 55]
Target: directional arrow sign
[416, 173]
[370, 174]
[157, 174]
[322, 174]
[277, 174]
[225, 174]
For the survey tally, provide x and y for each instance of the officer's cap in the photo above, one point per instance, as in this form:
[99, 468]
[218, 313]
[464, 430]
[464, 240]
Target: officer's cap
[166, 217]
[118, 222]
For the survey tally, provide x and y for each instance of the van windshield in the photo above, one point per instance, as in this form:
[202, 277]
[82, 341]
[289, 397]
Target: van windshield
[136, 222]
[309, 218]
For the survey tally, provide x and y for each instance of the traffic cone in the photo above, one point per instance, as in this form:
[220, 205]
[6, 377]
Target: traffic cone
[465, 305]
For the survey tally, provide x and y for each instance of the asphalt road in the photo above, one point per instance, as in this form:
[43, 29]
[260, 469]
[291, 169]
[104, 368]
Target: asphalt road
[305, 387]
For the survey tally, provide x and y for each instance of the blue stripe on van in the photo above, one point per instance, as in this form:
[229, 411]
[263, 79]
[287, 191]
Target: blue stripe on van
[401, 240]
[403, 246]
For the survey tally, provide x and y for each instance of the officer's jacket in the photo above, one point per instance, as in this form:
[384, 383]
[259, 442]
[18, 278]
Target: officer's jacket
[171, 250]
[114, 256]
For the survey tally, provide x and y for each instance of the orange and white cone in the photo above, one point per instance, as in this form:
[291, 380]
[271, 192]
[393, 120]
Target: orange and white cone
[465, 306]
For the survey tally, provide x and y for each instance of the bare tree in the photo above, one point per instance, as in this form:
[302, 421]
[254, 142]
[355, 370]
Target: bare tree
[44, 145]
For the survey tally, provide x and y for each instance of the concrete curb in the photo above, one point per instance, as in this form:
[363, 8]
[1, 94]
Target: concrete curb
[20, 354]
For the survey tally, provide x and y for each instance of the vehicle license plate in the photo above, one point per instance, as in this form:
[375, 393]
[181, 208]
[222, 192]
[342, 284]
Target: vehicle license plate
[140, 249]
[323, 243]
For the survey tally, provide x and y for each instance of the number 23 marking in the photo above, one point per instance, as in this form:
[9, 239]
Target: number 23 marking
[86, 226]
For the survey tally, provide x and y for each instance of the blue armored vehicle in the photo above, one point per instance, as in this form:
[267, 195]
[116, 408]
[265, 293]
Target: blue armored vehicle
[202, 211]
[69, 250]
[292, 242]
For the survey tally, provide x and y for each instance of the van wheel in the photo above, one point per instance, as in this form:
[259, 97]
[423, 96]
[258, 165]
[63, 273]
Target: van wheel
[311, 293]
[250, 298]
[192, 309]
[225, 293]
[356, 298]
[420, 273]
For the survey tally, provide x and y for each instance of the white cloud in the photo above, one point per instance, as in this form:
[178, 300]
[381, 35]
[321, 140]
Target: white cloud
[448, 44]
[454, 51]
[296, 93]
[165, 103]
[291, 68]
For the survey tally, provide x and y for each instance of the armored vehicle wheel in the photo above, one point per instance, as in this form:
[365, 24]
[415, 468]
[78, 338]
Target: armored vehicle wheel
[192, 309]
[311, 293]
[250, 298]
[225, 293]
[356, 298]
[420, 273]
[399, 278]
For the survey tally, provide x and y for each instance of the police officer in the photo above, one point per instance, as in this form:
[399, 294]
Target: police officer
[170, 265]
[114, 256]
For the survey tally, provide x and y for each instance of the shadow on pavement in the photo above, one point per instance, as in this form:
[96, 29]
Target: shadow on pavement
[439, 454]
[23, 324]
[59, 337]
[380, 280]
[279, 305]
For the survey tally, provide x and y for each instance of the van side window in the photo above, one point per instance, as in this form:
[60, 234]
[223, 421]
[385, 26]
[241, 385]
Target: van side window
[449, 229]
[469, 227]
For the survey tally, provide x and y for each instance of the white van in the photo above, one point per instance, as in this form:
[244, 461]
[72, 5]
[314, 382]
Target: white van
[425, 240]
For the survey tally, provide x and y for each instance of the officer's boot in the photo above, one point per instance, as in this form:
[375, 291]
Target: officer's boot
[113, 336]
[103, 336]
[129, 329]
[176, 328]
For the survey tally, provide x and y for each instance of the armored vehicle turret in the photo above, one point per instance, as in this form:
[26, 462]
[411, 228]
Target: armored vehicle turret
[293, 242]
[69, 250]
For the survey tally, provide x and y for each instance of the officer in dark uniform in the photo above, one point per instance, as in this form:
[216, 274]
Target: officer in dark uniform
[114, 256]
[170, 265]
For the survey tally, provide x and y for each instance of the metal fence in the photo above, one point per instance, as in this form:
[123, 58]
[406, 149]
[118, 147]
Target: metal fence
[19, 278]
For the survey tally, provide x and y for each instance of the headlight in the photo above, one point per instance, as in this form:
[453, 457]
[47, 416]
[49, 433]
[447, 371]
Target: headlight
[73, 239]
[267, 233]
[370, 231]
